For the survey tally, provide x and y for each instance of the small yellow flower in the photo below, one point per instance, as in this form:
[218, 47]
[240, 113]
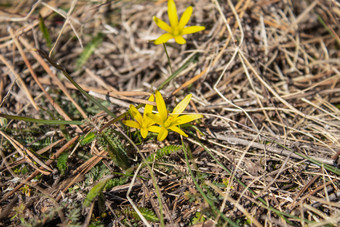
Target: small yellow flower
[171, 121]
[177, 29]
[145, 124]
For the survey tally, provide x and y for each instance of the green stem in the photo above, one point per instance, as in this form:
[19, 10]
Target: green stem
[185, 65]
[167, 55]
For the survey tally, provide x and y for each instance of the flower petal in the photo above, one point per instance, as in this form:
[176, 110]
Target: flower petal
[192, 29]
[131, 124]
[172, 13]
[187, 118]
[155, 118]
[161, 107]
[178, 130]
[185, 17]
[148, 122]
[180, 40]
[182, 105]
[144, 132]
[161, 24]
[154, 129]
[163, 38]
[148, 108]
[163, 133]
[135, 114]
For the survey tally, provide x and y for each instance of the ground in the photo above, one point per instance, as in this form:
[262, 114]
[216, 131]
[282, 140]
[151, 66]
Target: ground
[263, 74]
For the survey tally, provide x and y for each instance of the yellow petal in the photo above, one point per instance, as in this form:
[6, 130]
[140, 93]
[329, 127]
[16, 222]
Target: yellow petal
[148, 108]
[180, 40]
[187, 118]
[161, 107]
[178, 130]
[162, 24]
[192, 29]
[182, 105]
[185, 17]
[170, 121]
[163, 133]
[163, 38]
[155, 118]
[154, 129]
[147, 122]
[172, 13]
[135, 114]
[144, 132]
[131, 124]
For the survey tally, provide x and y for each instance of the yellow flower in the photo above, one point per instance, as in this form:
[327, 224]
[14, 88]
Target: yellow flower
[145, 124]
[171, 121]
[177, 29]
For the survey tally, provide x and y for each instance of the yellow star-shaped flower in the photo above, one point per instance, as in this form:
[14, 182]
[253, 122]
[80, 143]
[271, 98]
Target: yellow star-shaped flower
[177, 28]
[145, 124]
[173, 120]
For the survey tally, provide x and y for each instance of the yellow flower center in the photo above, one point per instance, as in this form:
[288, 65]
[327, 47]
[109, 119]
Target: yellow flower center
[176, 31]
[169, 121]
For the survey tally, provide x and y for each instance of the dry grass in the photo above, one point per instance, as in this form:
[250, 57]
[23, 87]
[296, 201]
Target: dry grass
[265, 74]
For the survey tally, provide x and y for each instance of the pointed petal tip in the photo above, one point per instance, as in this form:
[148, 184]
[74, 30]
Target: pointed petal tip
[185, 17]
[172, 13]
[163, 133]
[131, 124]
[180, 40]
[161, 107]
[144, 132]
[163, 38]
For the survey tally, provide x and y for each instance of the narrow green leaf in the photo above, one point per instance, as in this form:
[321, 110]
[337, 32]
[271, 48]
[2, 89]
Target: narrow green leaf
[45, 32]
[147, 213]
[86, 139]
[115, 182]
[115, 148]
[165, 151]
[94, 192]
[57, 66]
[328, 167]
[329, 30]
[3, 122]
[283, 215]
[62, 162]
[41, 121]
[178, 71]
[88, 50]
[214, 208]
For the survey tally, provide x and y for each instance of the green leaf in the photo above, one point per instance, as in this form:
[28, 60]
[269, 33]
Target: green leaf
[146, 212]
[94, 192]
[113, 145]
[45, 32]
[178, 71]
[86, 139]
[3, 122]
[68, 76]
[165, 151]
[88, 50]
[199, 218]
[41, 121]
[327, 27]
[62, 162]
